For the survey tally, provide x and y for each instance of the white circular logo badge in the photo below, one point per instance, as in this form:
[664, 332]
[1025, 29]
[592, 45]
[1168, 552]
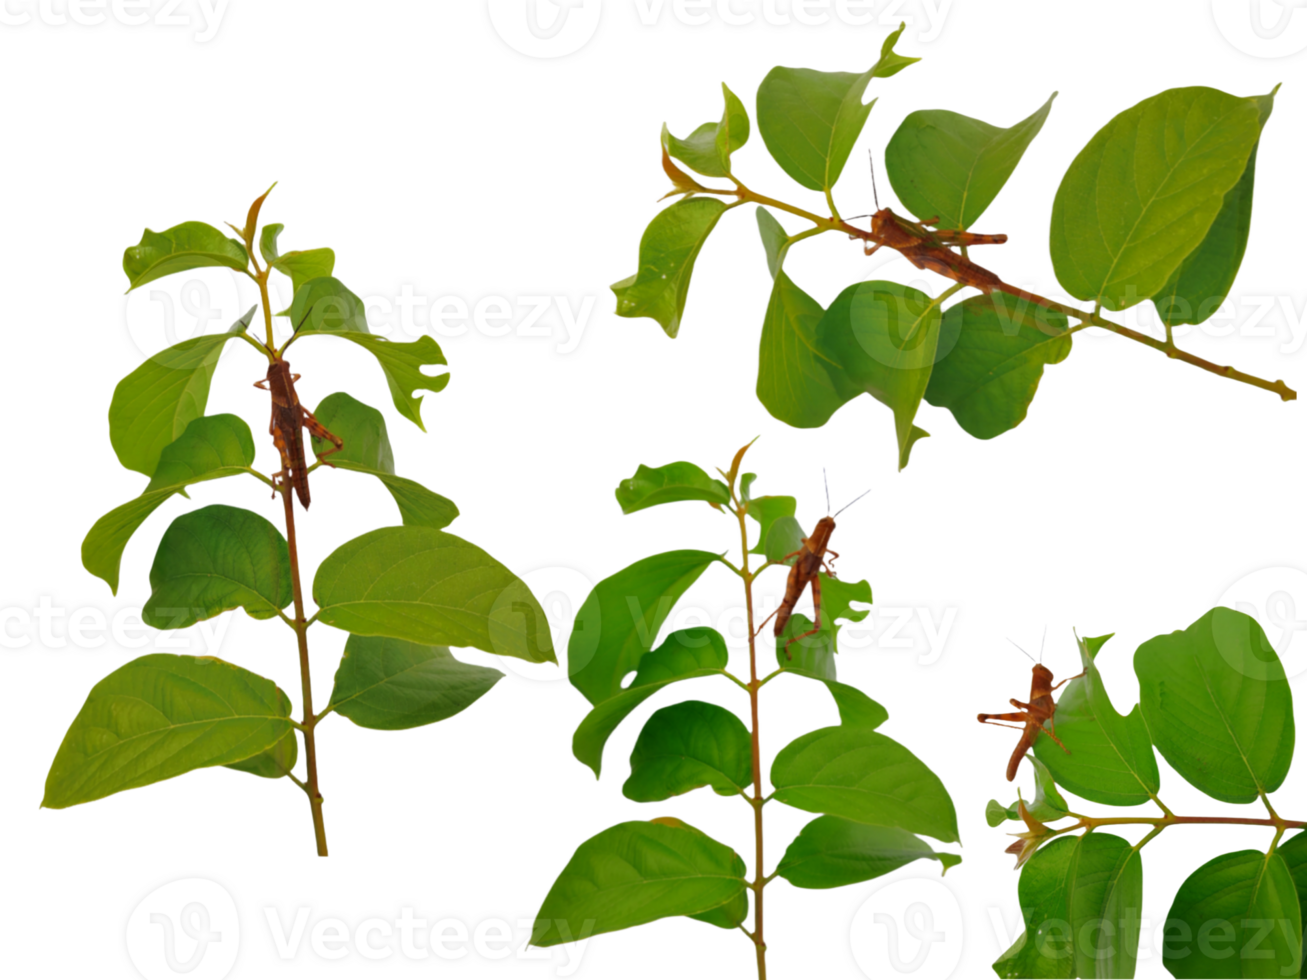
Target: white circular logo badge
[545, 28]
[161, 314]
[561, 591]
[908, 927]
[1263, 28]
[1277, 599]
[188, 928]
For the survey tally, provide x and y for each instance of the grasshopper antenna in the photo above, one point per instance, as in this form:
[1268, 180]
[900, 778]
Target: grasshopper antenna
[1026, 653]
[871, 162]
[850, 503]
[827, 483]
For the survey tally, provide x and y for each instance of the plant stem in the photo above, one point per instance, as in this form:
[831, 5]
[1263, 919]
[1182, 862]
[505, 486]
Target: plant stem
[1167, 347]
[757, 800]
[300, 624]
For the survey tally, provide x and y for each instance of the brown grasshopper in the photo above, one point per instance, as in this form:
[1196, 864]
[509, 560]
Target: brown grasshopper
[929, 248]
[289, 419]
[809, 563]
[1033, 715]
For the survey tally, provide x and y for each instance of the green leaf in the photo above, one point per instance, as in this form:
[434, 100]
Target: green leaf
[811, 119]
[402, 364]
[686, 746]
[1144, 192]
[668, 250]
[830, 852]
[362, 429]
[885, 336]
[862, 775]
[996, 813]
[268, 243]
[1110, 758]
[620, 619]
[813, 657]
[430, 587]
[856, 709]
[212, 447]
[708, 149]
[299, 265]
[390, 684]
[766, 511]
[890, 62]
[271, 763]
[153, 405]
[637, 872]
[189, 245]
[668, 484]
[948, 168]
[1202, 281]
[1294, 854]
[798, 382]
[1218, 705]
[160, 716]
[214, 559]
[776, 240]
[695, 652]
[1236, 916]
[784, 537]
[995, 348]
[1048, 804]
[1046, 948]
[1106, 894]
[837, 598]
[326, 305]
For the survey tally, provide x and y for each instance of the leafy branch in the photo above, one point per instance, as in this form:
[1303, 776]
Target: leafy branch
[1156, 207]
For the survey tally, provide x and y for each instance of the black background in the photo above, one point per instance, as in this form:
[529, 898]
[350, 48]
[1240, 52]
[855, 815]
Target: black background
[429, 152]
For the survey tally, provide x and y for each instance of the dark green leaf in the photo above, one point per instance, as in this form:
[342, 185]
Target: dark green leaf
[811, 657]
[1048, 804]
[635, 873]
[212, 447]
[668, 249]
[1202, 281]
[885, 336]
[766, 511]
[994, 351]
[668, 484]
[798, 382]
[1236, 916]
[303, 266]
[811, 119]
[947, 168]
[830, 852]
[686, 746]
[391, 684]
[708, 149]
[214, 559]
[1144, 192]
[1106, 891]
[856, 709]
[775, 240]
[996, 813]
[154, 404]
[1295, 859]
[272, 763]
[362, 429]
[430, 587]
[1045, 949]
[685, 654]
[160, 716]
[862, 775]
[326, 305]
[784, 538]
[1218, 705]
[1110, 758]
[268, 243]
[189, 245]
